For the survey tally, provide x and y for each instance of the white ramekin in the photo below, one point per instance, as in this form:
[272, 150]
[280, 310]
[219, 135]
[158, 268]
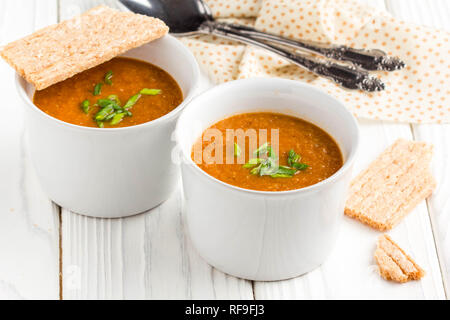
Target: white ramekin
[111, 172]
[265, 235]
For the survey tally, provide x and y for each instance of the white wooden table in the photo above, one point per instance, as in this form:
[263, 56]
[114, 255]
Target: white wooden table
[47, 252]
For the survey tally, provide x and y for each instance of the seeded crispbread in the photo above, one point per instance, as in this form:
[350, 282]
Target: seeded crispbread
[60, 51]
[397, 181]
[394, 264]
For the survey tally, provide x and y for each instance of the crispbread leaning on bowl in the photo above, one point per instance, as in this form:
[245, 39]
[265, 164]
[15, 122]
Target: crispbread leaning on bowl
[58, 52]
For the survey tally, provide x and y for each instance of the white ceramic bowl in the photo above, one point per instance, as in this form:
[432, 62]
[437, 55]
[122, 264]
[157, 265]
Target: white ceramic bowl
[111, 172]
[265, 235]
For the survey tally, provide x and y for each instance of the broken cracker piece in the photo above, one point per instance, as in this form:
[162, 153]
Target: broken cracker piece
[60, 51]
[396, 182]
[394, 264]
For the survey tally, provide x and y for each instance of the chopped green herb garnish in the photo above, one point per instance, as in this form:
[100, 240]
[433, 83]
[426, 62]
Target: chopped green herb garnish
[293, 157]
[117, 118]
[109, 117]
[261, 150]
[98, 89]
[252, 162]
[131, 102]
[255, 171]
[265, 166]
[268, 169]
[266, 163]
[108, 77]
[104, 102]
[104, 113]
[115, 98]
[282, 175]
[110, 108]
[237, 150]
[150, 92]
[283, 170]
[300, 166]
[85, 105]
[294, 161]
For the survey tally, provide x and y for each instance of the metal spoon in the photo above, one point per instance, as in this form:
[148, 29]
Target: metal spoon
[192, 17]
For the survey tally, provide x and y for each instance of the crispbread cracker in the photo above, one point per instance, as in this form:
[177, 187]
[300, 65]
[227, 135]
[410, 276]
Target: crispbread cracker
[392, 185]
[394, 264]
[60, 51]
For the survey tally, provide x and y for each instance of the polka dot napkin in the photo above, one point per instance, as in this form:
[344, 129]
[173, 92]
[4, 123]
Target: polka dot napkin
[420, 93]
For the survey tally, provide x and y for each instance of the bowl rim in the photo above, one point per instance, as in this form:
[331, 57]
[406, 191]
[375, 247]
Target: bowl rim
[179, 47]
[312, 188]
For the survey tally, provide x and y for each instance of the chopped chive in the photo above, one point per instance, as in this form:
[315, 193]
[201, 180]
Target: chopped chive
[100, 124]
[237, 150]
[286, 170]
[252, 162]
[150, 92]
[300, 166]
[104, 102]
[294, 161]
[108, 77]
[268, 169]
[267, 166]
[281, 175]
[104, 112]
[115, 98]
[293, 157]
[110, 116]
[117, 118]
[107, 102]
[131, 102]
[98, 89]
[261, 150]
[85, 106]
[256, 170]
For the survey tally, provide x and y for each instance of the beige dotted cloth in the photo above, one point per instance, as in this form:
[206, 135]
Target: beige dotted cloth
[420, 93]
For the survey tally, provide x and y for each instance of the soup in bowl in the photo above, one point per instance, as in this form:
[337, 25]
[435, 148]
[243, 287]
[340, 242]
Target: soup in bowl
[122, 92]
[101, 141]
[275, 162]
[266, 164]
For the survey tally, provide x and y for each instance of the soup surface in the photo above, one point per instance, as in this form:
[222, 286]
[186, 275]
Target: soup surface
[304, 155]
[76, 100]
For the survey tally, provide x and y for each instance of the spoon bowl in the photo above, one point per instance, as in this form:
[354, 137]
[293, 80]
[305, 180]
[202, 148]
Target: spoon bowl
[183, 17]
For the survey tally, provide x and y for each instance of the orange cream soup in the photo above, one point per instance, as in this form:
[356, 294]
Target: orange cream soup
[317, 149]
[63, 100]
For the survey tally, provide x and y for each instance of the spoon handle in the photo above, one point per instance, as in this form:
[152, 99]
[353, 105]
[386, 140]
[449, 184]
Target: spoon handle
[349, 77]
[371, 59]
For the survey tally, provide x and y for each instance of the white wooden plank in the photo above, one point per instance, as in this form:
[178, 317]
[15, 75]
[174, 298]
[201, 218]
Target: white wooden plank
[350, 272]
[29, 222]
[434, 13]
[147, 256]
[439, 202]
